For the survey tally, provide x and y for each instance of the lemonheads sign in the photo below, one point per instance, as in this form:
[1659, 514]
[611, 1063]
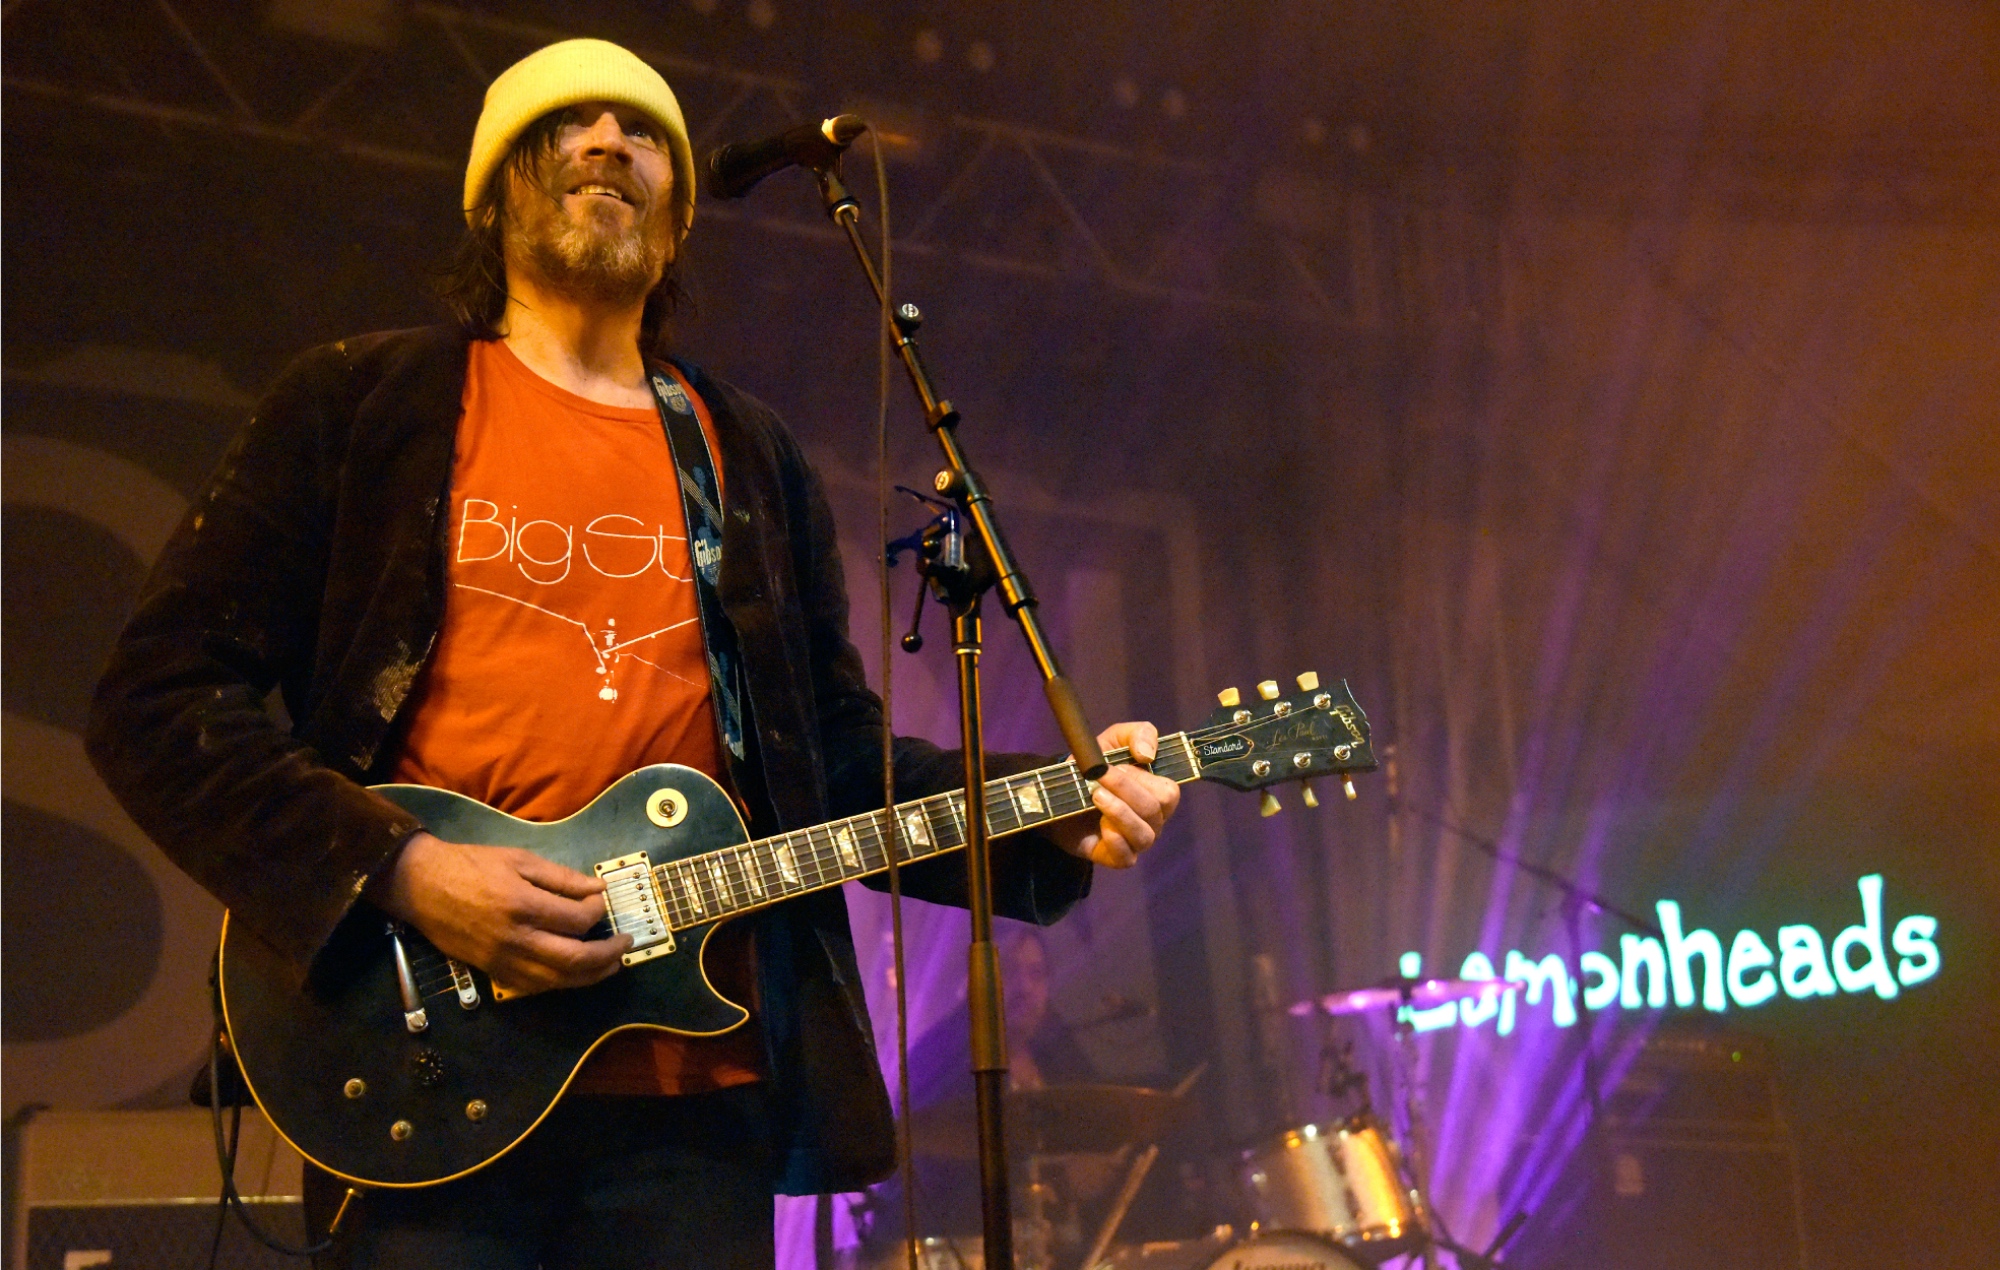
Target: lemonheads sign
[1693, 968]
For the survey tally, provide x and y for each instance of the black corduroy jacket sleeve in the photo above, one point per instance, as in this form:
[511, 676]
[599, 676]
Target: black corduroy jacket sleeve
[254, 591]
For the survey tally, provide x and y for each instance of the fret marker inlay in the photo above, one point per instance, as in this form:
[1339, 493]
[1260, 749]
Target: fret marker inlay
[844, 840]
[788, 868]
[1030, 798]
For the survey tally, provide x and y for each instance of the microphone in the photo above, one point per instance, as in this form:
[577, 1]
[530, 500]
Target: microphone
[735, 169]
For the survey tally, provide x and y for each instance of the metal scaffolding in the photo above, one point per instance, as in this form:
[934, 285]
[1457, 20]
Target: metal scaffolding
[398, 87]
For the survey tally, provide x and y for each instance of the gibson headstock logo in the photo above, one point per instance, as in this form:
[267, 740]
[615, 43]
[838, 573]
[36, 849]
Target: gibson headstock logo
[1345, 713]
[1221, 748]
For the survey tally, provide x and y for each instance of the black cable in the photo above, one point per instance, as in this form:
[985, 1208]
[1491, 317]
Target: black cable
[225, 1159]
[893, 838]
[221, 1201]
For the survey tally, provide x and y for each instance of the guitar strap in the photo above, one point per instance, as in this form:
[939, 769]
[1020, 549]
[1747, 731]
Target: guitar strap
[701, 504]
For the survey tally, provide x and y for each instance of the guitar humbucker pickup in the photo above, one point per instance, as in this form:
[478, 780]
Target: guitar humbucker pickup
[633, 903]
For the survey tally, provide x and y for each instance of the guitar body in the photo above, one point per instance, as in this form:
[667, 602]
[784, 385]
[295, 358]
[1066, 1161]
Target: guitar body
[447, 1100]
[395, 1067]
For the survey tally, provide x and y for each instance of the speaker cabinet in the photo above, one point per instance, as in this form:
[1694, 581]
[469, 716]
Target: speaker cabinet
[136, 1190]
[1691, 1165]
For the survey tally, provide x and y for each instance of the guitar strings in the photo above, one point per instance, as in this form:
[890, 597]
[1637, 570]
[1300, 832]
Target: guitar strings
[718, 899]
[713, 885]
[815, 853]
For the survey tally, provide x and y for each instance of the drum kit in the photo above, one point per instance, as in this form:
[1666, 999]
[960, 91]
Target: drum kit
[1346, 1194]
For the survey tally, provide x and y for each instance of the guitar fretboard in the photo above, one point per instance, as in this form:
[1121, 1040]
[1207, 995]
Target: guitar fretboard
[718, 884]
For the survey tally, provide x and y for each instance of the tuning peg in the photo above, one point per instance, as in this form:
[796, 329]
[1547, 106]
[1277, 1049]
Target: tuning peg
[1230, 698]
[1347, 783]
[1268, 804]
[1307, 795]
[1309, 682]
[1268, 690]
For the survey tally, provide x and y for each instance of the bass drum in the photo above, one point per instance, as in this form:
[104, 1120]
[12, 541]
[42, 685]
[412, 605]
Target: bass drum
[966, 1252]
[1285, 1250]
[1281, 1250]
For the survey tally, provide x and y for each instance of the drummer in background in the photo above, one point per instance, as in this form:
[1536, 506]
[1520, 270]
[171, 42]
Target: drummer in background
[1041, 1051]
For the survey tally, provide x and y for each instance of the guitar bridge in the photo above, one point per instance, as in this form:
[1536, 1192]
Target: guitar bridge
[462, 983]
[633, 902]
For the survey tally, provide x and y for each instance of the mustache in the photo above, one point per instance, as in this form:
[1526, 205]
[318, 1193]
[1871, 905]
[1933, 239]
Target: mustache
[573, 176]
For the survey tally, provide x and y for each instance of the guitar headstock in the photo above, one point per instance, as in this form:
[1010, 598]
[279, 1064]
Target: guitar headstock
[1317, 731]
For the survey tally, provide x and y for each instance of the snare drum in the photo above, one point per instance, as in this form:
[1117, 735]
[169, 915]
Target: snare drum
[1339, 1181]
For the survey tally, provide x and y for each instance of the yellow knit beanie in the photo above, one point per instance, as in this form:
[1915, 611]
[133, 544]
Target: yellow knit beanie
[563, 75]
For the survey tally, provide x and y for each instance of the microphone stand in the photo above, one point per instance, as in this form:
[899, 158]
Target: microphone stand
[989, 564]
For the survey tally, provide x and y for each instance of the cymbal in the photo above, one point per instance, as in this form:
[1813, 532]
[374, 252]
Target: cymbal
[1418, 994]
[1054, 1120]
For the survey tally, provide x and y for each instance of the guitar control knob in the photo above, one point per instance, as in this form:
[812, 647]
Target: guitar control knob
[1268, 804]
[1309, 681]
[401, 1130]
[355, 1087]
[1230, 698]
[427, 1067]
[1268, 690]
[475, 1110]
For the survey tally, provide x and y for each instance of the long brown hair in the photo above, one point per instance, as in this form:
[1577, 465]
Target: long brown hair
[473, 281]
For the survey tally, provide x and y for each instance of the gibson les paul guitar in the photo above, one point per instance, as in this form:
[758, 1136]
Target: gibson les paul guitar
[396, 1066]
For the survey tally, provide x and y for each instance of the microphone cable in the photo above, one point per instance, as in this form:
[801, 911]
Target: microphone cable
[884, 340]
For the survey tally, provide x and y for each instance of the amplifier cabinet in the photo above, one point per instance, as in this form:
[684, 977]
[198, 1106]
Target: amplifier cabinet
[1669, 1197]
[1691, 1164]
[136, 1190]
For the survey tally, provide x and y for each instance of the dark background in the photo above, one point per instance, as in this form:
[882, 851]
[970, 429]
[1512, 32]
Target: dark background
[1609, 392]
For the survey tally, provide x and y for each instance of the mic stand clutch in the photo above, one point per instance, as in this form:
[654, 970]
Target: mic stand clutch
[990, 565]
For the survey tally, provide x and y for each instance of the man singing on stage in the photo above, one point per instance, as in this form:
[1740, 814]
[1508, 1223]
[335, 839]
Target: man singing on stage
[516, 558]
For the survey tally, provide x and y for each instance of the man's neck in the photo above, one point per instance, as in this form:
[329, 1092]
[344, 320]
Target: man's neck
[588, 349]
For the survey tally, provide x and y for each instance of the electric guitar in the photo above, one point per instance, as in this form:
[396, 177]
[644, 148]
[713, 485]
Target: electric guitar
[396, 1066]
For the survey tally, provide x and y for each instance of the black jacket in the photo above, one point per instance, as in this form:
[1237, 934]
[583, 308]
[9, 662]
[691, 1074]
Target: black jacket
[315, 563]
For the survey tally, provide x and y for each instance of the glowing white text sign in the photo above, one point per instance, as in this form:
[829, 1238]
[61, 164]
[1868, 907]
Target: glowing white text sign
[1692, 967]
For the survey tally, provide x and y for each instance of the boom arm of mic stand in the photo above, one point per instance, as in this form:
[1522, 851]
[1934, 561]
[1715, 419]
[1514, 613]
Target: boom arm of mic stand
[1016, 595]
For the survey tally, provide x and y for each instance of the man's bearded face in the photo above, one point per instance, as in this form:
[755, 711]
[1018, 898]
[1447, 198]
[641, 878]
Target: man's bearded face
[596, 222]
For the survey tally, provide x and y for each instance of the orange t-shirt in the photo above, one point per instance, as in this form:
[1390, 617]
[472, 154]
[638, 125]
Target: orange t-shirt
[571, 650]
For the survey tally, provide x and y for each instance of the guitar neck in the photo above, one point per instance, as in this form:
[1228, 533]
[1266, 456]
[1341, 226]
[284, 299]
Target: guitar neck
[718, 884]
